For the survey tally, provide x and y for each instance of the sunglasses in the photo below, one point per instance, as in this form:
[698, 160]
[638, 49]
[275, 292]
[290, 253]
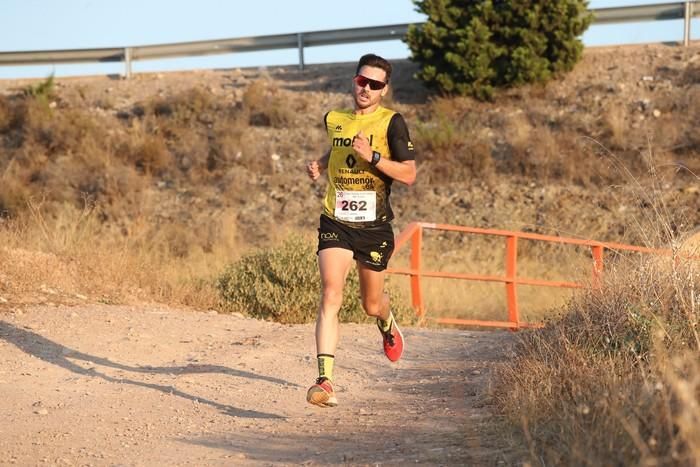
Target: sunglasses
[363, 81]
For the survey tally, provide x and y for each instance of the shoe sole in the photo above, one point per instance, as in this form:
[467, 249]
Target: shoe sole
[403, 347]
[321, 398]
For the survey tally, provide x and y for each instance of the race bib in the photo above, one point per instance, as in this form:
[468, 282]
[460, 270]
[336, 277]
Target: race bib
[356, 206]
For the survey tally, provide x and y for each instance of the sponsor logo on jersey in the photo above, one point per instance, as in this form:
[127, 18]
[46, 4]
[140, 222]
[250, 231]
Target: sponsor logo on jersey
[338, 128]
[346, 142]
[366, 182]
[350, 161]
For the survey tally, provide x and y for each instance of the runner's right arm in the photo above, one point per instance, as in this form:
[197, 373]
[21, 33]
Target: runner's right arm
[314, 168]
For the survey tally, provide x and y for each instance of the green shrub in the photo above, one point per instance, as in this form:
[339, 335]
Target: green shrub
[283, 284]
[469, 48]
[43, 91]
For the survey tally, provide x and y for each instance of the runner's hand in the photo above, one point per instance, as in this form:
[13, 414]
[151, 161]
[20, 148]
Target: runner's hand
[313, 170]
[360, 144]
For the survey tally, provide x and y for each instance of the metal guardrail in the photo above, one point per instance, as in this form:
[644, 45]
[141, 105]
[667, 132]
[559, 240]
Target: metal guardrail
[615, 15]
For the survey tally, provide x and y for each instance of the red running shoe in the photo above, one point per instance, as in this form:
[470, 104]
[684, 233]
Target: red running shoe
[321, 393]
[393, 341]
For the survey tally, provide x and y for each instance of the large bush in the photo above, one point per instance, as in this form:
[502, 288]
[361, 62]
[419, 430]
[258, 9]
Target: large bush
[469, 48]
[283, 284]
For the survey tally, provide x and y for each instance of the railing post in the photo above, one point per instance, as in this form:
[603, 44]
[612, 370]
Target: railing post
[127, 62]
[416, 291]
[300, 44]
[597, 252]
[687, 16]
[511, 273]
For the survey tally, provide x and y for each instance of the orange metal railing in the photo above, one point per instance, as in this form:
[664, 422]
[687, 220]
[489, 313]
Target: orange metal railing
[414, 233]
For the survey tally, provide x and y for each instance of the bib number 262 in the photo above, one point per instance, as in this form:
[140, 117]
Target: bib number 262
[356, 206]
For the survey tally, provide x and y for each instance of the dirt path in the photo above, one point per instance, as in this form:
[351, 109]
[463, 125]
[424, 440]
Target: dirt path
[114, 385]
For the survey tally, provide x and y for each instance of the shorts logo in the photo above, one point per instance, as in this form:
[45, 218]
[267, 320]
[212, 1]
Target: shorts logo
[329, 237]
[383, 245]
[376, 257]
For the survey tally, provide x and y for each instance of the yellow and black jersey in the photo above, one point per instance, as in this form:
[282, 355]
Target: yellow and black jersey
[358, 193]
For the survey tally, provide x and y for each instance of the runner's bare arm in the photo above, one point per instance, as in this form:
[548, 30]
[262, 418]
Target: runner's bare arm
[402, 171]
[314, 168]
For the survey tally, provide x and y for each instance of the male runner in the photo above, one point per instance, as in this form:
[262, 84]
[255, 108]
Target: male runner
[370, 148]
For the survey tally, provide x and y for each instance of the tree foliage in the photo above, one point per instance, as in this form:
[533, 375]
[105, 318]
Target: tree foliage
[471, 47]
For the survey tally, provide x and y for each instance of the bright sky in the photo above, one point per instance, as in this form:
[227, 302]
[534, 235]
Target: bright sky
[27, 25]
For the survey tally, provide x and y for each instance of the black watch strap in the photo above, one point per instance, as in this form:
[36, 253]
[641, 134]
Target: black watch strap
[375, 158]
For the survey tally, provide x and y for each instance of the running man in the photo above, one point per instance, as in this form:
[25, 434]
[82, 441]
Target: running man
[370, 148]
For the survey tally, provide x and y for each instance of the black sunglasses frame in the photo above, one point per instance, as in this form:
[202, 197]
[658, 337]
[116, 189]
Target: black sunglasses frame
[374, 84]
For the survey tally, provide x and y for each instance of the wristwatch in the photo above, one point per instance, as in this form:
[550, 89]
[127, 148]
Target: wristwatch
[375, 158]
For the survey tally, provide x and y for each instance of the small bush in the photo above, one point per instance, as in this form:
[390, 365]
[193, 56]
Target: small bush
[282, 284]
[43, 91]
[453, 142]
[6, 113]
[266, 106]
[151, 155]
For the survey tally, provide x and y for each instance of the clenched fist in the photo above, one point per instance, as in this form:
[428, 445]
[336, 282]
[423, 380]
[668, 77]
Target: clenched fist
[360, 144]
[313, 169]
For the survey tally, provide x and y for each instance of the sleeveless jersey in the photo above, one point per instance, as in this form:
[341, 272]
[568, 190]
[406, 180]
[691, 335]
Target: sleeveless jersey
[358, 193]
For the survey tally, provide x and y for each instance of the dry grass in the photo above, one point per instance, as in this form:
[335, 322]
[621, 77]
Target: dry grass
[599, 387]
[77, 257]
[616, 121]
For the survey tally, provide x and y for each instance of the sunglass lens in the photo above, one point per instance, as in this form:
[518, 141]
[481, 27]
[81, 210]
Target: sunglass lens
[374, 85]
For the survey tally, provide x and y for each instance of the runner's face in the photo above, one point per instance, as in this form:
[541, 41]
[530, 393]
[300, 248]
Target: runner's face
[365, 97]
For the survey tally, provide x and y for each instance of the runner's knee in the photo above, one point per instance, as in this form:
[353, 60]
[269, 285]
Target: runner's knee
[372, 307]
[331, 300]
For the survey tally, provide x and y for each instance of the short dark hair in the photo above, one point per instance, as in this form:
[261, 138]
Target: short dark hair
[374, 61]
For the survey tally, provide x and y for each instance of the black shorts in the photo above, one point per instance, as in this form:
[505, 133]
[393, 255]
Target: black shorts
[372, 246]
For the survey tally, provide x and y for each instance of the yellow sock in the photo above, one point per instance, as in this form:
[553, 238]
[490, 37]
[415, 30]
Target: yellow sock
[386, 325]
[325, 365]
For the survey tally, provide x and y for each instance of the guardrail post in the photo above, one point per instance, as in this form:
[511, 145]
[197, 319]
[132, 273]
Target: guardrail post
[511, 272]
[687, 16]
[597, 252]
[127, 62]
[416, 291]
[300, 44]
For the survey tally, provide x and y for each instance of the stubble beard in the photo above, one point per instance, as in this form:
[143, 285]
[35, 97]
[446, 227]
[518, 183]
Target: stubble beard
[363, 104]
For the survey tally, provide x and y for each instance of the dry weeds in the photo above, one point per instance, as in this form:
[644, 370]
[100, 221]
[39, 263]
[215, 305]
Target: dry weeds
[599, 386]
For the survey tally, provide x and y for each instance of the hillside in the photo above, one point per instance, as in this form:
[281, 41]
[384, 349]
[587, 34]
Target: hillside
[193, 169]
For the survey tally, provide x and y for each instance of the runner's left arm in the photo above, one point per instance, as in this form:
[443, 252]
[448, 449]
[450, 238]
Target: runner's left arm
[402, 165]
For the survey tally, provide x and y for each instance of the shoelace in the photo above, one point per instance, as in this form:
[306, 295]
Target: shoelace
[389, 337]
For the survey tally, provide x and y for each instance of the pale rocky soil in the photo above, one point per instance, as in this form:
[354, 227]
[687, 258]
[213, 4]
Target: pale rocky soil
[149, 385]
